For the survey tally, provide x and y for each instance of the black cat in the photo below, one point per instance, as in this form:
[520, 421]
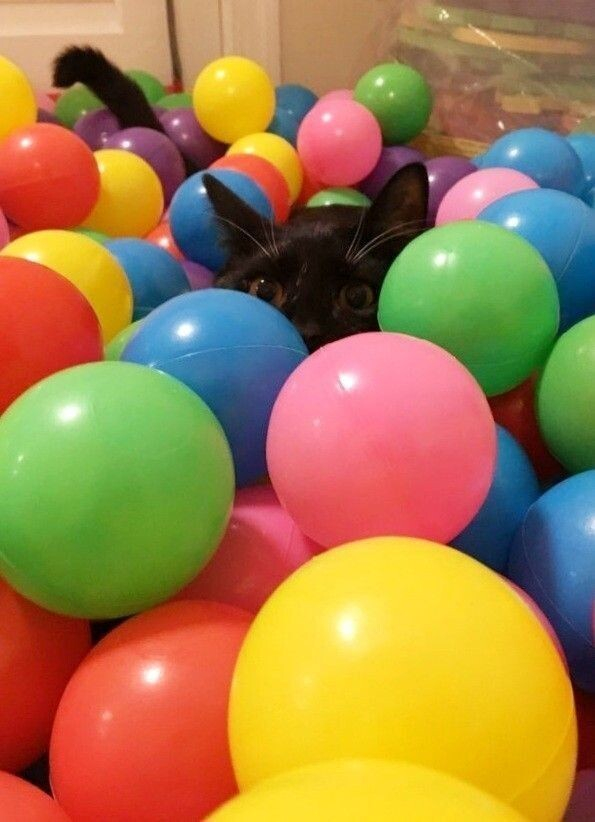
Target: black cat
[323, 268]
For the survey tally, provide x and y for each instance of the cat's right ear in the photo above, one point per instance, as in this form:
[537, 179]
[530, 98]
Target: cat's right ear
[241, 226]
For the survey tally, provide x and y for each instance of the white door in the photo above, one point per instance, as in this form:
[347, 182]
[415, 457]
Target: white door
[133, 33]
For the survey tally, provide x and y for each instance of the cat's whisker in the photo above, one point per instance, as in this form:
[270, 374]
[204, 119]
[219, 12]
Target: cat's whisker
[401, 230]
[356, 237]
[256, 242]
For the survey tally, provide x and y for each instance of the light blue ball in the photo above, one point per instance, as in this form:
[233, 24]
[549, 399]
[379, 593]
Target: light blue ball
[553, 560]
[194, 226]
[584, 145]
[285, 125]
[562, 228]
[514, 489]
[235, 351]
[295, 99]
[547, 158]
[154, 275]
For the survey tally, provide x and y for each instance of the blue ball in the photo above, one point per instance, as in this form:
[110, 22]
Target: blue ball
[235, 351]
[553, 560]
[584, 145]
[194, 226]
[285, 124]
[154, 275]
[514, 489]
[546, 157]
[296, 100]
[562, 228]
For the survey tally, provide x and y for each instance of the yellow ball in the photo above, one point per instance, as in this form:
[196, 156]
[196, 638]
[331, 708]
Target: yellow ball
[17, 101]
[89, 266]
[397, 648]
[365, 789]
[130, 202]
[233, 96]
[277, 151]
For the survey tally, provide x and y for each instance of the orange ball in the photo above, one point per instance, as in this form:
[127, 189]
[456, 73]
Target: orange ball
[265, 175]
[162, 236]
[22, 802]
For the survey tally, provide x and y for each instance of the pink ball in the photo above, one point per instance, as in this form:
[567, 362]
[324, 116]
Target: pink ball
[339, 142]
[467, 198]
[381, 434]
[261, 547]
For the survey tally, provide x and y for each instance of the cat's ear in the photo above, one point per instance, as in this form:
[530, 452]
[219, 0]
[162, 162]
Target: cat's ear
[242, 227]
[399, 212]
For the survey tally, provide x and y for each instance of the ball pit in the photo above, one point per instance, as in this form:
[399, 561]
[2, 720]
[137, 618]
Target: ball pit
[277, 151]
[265, 175]
[196, 145]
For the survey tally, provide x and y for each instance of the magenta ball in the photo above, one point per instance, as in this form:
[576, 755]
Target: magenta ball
[467, 198]
[379, 434]
[339, 142]
[391, 160]
[443, 173]
[96, 127]
[182, 127]
[159, 152]
[199, 276]
[261, 548]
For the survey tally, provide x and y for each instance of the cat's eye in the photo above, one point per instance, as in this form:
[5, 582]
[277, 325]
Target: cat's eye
[267, 289]
[357, 297]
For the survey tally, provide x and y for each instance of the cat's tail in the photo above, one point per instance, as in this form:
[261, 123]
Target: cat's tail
[119, 93]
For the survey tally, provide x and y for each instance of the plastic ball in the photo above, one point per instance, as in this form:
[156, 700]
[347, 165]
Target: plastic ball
[23, 802]
[562, 228]
[356, 789]
[339, 142]
[19, 107]
[198, 275]
[235, 351]
[182, 128]
[392, 159]
[265, 175]
[566, 398]
[547, 158]
[151, 87]
[4, 230]
[514, 489]
[180, 99]
[148, 707]
[424, 474]
[162, 236]
[48, 177]
[277, 151]
[44, 116]
[584, 145]
[193, 222]
[309, 188]
[88, 266]
[474, 192]
[443, 174]
[74, 103]
[481, 293]
[553, 559]
[100, 238]
[351, 677]
[130, 200]
[153, 274]
[114, 349]
[339, 196]
[398, 97]
[123, 463]
[96, 127]
[233, 97]
[47, 325]
[545, 623]
[295, 99]
[159, 152]
[285, 125]
[261, 547]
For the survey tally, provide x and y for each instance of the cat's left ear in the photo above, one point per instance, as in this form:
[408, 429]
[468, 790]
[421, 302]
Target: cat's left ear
[399, 212]
[242, 228]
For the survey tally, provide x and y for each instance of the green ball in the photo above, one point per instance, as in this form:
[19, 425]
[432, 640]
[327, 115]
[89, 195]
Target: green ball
[113, 350]
[75, 102]
[98, 236]
[151, 87]
[400, 99]
[116, 483]
[180, 100]
[339, 196]
[479, 291]
[566, 398]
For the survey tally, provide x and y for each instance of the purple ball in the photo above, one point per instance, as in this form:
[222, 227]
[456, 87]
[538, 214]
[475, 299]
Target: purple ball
[198, 275]
[159, 152]
[391, 160]
[44, 116]
[96, 127]
[182, 127]
[443, 173]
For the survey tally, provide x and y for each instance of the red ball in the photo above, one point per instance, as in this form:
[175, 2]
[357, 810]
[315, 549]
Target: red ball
[141, 732]
[265, 175]
[22, 802]
[46, 325]
[48, 177]
[310, 187]
[162, 236]
[39, 651]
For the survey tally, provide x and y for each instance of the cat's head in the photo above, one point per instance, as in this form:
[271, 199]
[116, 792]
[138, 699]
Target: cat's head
[323, 268]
